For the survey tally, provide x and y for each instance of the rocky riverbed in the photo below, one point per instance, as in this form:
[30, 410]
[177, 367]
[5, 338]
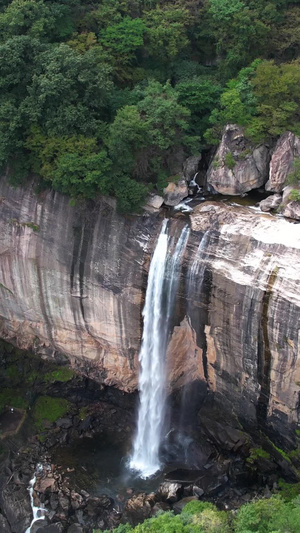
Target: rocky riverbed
[75, 440]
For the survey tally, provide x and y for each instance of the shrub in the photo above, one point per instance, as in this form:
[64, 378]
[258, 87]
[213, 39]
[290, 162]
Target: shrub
[230, 161]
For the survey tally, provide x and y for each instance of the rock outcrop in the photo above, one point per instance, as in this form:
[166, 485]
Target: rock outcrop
[191, 167]
[175, 192]
[281, 165]
[238, 166]
[271, 203]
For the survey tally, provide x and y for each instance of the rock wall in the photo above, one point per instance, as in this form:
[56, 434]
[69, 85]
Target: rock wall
[249, 327]
[75, 285]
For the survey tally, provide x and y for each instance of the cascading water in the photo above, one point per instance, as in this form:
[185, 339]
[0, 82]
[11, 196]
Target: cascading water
[160, 297]
[37, 512]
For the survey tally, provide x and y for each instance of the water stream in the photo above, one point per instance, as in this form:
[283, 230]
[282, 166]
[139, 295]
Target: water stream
[159, 303]
[37, 512]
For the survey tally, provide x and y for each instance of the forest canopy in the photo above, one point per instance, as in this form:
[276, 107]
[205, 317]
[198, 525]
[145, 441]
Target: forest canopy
[100, 96]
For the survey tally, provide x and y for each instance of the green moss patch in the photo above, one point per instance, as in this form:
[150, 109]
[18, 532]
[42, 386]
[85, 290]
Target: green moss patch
[62, 374]
[49, 409]
[10, 398]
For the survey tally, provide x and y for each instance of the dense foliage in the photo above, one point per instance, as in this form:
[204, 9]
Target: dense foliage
[274, 515]
[101, 96]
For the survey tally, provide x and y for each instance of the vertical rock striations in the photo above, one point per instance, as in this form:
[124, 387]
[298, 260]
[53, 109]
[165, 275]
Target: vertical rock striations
[73, 281]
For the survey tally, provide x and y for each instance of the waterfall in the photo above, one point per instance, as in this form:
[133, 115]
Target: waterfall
[157, 314]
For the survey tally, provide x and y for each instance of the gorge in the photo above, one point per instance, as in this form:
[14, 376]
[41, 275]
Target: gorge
[73, 285]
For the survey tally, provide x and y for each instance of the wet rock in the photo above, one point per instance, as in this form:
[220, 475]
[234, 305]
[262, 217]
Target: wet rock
[64, 423]
[52, 528]
[4, 526]
[64, 503]
[270, 203]
[174, 193]
[198, 491]
[281, 165]
[54, 501]
[15, 505]
[44, 484]
[238, 166]
[191, 167]
[75, 528]
[170, 492]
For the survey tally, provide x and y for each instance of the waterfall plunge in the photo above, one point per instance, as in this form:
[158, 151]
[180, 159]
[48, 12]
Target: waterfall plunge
[160, 297]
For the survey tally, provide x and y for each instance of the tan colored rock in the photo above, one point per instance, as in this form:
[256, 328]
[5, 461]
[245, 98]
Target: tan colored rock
[281, 164]
[175, 192]
[252, 261]
[44, 484]
[76, 285]
[182, 354]
[153, 202]
[238, 166]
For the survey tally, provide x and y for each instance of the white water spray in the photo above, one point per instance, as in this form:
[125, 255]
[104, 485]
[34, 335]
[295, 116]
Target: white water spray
[157, 313]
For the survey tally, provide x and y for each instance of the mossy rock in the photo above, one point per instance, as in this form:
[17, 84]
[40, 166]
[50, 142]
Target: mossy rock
[62, 374]
[49, 409]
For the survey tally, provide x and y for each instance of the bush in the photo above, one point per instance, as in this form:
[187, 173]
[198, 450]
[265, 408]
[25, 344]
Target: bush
[230, 161]
[294, 195]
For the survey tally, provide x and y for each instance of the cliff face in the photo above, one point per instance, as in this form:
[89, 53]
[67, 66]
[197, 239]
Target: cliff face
[246, 314]
[76, 286]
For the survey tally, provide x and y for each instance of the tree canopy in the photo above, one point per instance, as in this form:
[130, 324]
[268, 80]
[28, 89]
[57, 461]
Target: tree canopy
[106, 92]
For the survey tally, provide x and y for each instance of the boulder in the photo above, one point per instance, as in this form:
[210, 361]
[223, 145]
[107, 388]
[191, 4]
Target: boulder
[175, 192]
[270, 203]
[153, 202]
[281, 165]
[169, 492]
[191, 167]
[137, 509]
[291, 208]
[238, 166]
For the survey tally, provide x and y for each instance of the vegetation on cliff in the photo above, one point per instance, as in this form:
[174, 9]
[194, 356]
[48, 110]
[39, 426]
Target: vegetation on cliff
[273, 515]
[104, 96]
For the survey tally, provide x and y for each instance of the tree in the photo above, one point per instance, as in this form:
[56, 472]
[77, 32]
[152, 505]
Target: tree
[166, 34]
[69, 91]
[74, 165]
[37, 18]
[276, 88]
[142, 136]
